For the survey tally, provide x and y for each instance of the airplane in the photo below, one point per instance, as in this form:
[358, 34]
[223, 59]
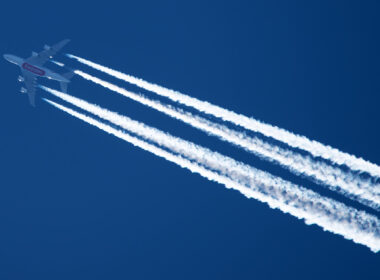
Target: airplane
[32, 68]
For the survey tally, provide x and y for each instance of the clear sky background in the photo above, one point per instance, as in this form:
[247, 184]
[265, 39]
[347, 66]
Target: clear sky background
[76, 203]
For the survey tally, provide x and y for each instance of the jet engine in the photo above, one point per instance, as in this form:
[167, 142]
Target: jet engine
[20, 79]
[23, 90]
[46, 47]
[34, 54]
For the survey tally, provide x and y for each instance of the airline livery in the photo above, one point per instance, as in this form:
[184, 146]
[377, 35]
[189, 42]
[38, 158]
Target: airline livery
[32, 68]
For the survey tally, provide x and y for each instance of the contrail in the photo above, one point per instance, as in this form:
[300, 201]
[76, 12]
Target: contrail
[315, 148]
[332, 177]
[304, 204]
[58, 63]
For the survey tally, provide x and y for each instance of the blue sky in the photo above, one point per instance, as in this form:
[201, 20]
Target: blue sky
[77, 203]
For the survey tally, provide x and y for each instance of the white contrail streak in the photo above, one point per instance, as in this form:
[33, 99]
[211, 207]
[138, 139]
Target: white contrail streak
[316, 148]
[58, 63]
[332, 177]
[331, 215]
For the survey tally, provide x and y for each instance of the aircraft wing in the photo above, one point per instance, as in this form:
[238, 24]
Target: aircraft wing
[42, 57]
[30, 83]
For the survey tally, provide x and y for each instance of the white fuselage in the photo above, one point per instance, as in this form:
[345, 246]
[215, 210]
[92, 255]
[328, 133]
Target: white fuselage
[35, 70]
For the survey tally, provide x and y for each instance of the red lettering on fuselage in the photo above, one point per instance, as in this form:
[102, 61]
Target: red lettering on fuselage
[33, 69]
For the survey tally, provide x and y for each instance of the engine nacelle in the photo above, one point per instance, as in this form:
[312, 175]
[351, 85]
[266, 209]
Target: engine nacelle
[34, 54]
[21, 79]
[46, 47]
[23, 90]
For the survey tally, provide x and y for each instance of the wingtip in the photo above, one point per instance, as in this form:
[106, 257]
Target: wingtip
[66, 41]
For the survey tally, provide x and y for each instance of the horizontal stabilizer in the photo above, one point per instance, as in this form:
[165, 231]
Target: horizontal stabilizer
[68, 75]
[63, 86]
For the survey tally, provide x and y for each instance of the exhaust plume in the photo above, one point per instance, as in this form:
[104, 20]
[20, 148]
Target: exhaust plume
[331, 215]
[315, 148]
[332, 177]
